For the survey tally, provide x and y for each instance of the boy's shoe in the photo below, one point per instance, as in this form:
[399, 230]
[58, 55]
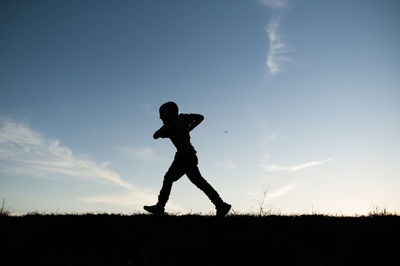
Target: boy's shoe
[155, 209]
[223, 209]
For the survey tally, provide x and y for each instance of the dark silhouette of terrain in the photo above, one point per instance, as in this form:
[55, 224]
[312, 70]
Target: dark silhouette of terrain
[198, 240]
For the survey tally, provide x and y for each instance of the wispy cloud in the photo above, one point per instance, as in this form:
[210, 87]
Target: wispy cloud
[267, 194]
[26, 152]
[275, 3]
[281, 191]
[293, 168]
[141, 153]
[277, 52]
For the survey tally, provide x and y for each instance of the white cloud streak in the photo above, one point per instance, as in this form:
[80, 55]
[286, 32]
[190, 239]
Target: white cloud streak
[277, 52]
[275, 3]
[282, 191]
[142, 153]
[291, 169]
[24, 151]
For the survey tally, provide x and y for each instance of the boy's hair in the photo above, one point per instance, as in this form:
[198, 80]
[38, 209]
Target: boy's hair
[169, 107]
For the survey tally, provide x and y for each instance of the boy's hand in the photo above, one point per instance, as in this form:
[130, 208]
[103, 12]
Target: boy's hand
[157, 134]
[161, 133]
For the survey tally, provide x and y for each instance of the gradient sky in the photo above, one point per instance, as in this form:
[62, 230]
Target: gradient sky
[308, 92]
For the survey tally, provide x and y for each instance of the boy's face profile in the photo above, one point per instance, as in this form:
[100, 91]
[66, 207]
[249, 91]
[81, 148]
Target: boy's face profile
[169, 112]
[167, 116]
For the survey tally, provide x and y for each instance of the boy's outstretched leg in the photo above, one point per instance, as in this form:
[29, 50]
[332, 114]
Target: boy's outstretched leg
[195, 177]
[155, 209]
[223, 209]
[159, 208]
[173, 174]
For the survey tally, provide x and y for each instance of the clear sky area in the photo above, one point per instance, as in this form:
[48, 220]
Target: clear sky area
[301, 101]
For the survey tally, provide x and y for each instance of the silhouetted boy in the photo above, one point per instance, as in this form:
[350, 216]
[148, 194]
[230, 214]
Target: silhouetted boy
[177, 128]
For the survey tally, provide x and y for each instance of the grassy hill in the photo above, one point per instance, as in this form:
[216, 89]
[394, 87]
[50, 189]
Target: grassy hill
[198, 240]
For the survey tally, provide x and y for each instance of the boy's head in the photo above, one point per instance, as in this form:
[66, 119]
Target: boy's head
[168, 112]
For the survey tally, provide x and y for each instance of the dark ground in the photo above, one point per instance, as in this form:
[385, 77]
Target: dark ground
[199, 240]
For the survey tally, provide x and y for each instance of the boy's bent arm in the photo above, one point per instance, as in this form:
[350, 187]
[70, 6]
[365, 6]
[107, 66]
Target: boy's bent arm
[194, 121]
[161, 133]
[164, 131]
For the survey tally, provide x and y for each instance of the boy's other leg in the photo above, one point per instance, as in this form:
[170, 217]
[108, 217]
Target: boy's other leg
[195, 177]
[175, 172]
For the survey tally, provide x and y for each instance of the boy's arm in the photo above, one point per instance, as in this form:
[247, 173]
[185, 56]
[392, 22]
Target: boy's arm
[194, 121]
[161, 133]
[164, 131]
[191, 121]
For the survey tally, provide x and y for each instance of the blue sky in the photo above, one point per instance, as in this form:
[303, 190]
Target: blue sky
[308, 92]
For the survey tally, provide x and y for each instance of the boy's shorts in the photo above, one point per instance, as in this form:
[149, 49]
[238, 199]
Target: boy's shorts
[183, 162]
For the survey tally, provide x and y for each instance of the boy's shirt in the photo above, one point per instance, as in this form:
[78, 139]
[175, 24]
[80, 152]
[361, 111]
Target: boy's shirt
[179, 133]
